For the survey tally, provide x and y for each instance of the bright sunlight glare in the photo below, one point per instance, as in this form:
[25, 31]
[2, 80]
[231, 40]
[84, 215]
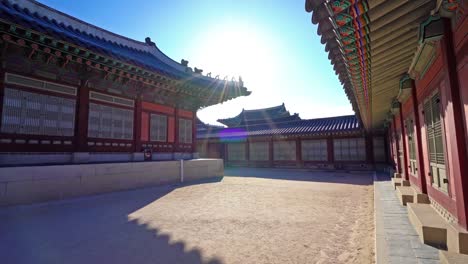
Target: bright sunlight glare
[235, 51]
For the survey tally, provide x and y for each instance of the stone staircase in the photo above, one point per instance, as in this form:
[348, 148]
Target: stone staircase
[432, 228]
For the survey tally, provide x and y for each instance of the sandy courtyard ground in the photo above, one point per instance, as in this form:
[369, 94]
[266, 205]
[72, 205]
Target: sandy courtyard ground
[265, 216]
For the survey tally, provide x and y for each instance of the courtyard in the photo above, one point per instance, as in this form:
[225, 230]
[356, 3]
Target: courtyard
[248, 216]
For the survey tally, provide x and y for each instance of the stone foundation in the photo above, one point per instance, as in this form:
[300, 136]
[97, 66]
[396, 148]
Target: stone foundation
[24, 185]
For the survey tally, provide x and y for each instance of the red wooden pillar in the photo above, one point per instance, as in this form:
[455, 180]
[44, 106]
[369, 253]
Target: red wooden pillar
[176, 130]
[81, 120]
[137, 125]
[405, 165]
[459, 160]
[397, 147]
[417, 130]
[299, 153]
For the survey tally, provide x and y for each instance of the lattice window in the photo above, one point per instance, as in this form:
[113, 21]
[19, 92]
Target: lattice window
[158, 128]
[39, 84]
[315, 150]
[349, 149]
[284, 150]
[236, 151]
[435, 142]
[37, 114]
[110, 122]
[259, 151]
[185, 131]
[379, 149]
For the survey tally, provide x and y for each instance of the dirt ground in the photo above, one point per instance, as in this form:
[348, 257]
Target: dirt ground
[250, 216]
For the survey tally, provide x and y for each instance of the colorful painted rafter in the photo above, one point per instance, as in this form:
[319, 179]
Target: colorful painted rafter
[350, 24]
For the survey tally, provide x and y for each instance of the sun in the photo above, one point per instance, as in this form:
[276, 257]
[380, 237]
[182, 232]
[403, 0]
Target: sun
[235, 51]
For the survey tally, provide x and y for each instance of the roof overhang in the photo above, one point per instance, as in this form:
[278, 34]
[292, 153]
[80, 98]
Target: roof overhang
[373, 44]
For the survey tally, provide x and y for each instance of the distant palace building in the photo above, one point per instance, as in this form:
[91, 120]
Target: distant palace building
[272, 137]
[73, 92]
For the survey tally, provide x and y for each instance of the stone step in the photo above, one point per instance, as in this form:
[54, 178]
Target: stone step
[397, 175]
[430, 226]
[457, 239]
[405, 194]
[399, 182]
[452, 257]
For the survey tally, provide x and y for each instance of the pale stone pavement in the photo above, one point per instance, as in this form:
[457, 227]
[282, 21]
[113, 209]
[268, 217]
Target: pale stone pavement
[396, 240]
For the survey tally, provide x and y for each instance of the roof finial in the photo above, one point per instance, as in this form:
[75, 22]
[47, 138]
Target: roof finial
[149, 42]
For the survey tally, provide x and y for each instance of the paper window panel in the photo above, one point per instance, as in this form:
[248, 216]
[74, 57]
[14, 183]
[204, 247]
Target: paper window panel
[236, 151]
[158, 128]
[37, 114]
[110, 122]
[185, 131]
[12, 111]
[314, 150]
[284, 150]
[259, 151]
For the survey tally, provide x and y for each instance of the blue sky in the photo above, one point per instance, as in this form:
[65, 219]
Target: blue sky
[270, 43]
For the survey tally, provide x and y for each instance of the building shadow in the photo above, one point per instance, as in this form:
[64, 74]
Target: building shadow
[94, 229]
[343, 177]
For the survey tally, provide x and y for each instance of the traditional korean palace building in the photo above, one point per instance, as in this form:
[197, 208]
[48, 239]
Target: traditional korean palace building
[404, 66]
[272, 137]
[73, 92]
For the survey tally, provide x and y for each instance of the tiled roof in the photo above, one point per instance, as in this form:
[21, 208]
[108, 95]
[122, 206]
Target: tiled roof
[262, 115]
[41, 18]
[319, 126]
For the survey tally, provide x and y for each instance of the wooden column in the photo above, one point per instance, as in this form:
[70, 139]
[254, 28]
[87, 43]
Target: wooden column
[405, 165]
[397, 147]
[81, 120]
[137, 125]
[417, 134]
[459, 160]
[176, 128]
[299, 162]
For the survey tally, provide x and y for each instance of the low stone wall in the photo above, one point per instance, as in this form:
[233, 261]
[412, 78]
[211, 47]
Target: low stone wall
[23, 185]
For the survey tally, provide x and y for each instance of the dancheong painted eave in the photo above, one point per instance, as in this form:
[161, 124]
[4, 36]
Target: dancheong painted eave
[314, 127]
[32, 24]
[371, 44]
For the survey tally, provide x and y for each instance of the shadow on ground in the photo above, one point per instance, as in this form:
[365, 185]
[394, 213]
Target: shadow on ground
[94, 229]
[357, 178]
